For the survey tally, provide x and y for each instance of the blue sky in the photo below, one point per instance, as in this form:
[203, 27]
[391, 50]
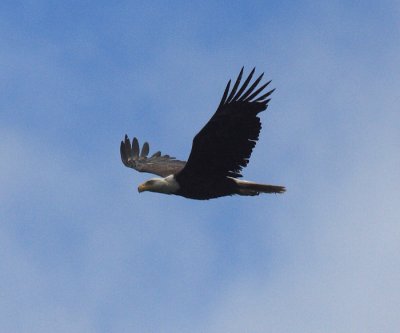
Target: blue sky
[82, 251]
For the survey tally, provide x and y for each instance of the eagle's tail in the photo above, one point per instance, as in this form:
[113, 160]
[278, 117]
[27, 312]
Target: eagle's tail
[250, 188]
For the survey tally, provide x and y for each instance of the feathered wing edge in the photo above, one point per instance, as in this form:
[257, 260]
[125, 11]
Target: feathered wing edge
[239, 94]
[161, 165]
[246, 96]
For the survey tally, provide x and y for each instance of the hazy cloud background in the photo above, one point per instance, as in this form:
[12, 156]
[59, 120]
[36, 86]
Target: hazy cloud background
[82, 251]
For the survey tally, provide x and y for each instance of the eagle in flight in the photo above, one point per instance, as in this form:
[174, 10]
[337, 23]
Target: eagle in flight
[219, 151]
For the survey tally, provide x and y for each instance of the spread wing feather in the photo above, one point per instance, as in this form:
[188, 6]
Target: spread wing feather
[161, 165]
[224, 145]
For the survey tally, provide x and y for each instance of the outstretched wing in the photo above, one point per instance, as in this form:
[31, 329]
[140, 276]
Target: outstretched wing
[161, 165]
[224, 145]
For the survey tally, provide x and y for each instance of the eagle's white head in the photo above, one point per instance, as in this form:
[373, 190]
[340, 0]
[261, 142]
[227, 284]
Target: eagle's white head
[167, 185]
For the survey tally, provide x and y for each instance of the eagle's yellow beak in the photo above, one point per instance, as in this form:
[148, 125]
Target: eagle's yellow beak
[142, 187]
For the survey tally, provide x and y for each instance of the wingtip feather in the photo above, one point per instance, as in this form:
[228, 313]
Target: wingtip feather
[135, 148]
[236, 86]
[223, 99]
[145, 150]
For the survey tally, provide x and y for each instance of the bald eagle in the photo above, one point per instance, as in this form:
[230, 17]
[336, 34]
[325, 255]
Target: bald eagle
[219, 151]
